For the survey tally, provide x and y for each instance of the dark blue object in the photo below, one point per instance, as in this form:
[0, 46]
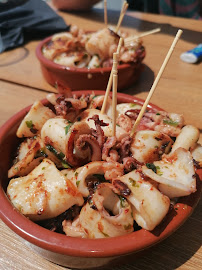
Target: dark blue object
[27, 20]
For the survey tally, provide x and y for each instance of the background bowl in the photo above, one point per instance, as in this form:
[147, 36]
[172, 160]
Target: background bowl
[76, 252]
[83, 78]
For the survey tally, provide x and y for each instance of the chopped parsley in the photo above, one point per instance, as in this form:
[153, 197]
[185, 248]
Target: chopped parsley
[122, 201]
[77, 183]
[67, 128]
[158, 171]
[158, 113]
[66, 165]
[59, 155]
[133, 105]
[29, 124]
[133, 182]
[41, 153]
[170, 122]
[154, 168]
[151, 166]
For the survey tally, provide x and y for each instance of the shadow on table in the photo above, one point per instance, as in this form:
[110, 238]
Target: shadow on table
[144, 82]
[142, 25]
[13, 57]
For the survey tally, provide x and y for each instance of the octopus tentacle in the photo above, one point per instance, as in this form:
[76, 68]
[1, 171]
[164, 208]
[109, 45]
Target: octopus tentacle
[87, 140]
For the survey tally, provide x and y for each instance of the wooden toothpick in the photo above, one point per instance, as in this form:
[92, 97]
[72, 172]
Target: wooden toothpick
[129, 40]
[155, 82]
[122, 14]
[105, 12]
[114, 93]
[109, 85]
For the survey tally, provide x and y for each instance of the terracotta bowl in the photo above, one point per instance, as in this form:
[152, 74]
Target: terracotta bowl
[83, 78]
[75, 252]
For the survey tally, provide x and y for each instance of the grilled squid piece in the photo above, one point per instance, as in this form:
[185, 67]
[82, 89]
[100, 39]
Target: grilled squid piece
[95, 62]
[95, 218]
[175, 173]
[149, 205]
[168, 123]
[72, 59]
[58, 44]
[108, 37]
[30, 153]
[73, 228]
[97, 102]
[149, 145]
[32, 123]
[124, 107]
[197, 154]
[89, 113]
[64, 138]
[110, 170]
[26, 161]
[44, 193]
[187, 138]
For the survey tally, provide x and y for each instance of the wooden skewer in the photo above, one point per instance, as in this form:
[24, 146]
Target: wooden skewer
[114, 96]
[105, 12]
[131, 39]
[122, 14]
[156, 82]
[109, 85]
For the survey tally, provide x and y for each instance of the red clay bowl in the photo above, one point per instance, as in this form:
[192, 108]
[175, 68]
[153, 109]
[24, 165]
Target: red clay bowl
[76, 252]
[83, 78]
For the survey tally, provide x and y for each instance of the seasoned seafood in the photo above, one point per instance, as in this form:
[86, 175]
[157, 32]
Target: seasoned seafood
[70, 171]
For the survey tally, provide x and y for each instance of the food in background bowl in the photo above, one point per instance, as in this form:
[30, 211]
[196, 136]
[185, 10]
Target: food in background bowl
[81, 60]
[137, 175]
[77, 48]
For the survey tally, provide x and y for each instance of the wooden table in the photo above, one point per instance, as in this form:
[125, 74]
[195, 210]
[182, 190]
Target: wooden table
[179, 90]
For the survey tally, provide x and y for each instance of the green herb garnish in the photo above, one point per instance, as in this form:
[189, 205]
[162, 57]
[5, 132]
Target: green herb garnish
[151, 166]
[133, 182]
[59, 155]
[170, 122]
[133, 105]
[29, 124]
[66, 165]
[77, 183]
[67, 128]
[158, 171]
[122, 201]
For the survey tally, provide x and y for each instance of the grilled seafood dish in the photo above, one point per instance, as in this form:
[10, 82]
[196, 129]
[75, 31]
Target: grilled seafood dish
[71, 176]
[80, 49]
